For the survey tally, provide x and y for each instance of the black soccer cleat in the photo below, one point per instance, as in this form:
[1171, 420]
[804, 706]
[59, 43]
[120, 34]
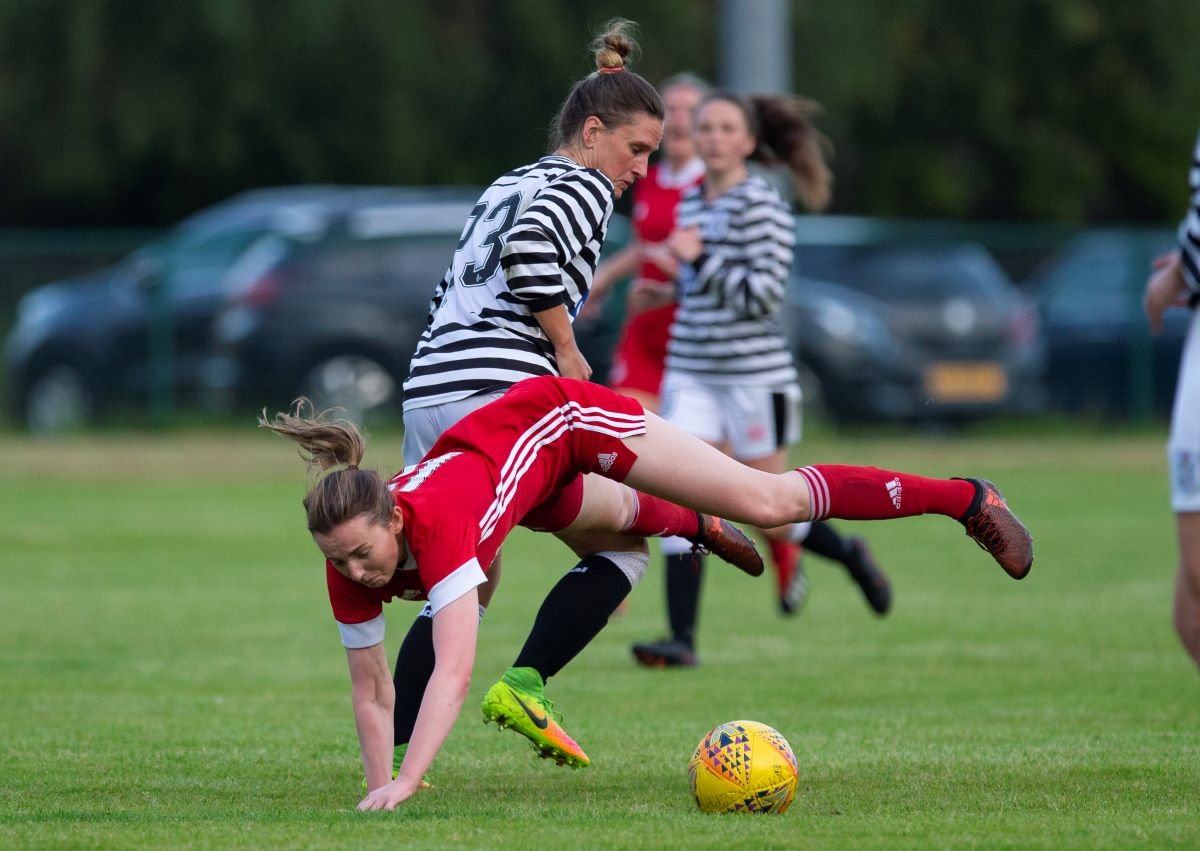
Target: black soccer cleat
[871, 580]
[667, 653]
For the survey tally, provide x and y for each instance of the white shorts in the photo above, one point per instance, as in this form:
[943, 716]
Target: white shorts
[754, 421]
[423, 426]
[1183, 445]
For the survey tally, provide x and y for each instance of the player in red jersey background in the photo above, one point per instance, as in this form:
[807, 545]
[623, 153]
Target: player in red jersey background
[637, 367]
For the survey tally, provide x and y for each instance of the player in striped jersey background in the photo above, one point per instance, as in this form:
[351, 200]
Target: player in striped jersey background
[1176, 281]
[730, 378]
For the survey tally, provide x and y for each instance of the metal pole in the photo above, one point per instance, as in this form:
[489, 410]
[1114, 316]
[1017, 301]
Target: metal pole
[754, 45]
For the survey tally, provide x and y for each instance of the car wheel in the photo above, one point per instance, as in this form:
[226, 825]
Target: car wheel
[355, 383]
[58, 400]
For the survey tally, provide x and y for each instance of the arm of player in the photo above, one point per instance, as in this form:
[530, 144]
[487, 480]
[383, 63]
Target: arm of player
[1165, 288]
[556, 228]
[755, 288]
[556, 324]
[374, 699]
[455, 628]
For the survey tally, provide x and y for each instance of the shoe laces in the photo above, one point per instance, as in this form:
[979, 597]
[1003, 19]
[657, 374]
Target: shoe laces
[548, 705]
[986, 533]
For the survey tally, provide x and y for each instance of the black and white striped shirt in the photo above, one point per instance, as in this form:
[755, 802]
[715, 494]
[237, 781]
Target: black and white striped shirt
[727, 328]
[531, 242]
[1189, 231]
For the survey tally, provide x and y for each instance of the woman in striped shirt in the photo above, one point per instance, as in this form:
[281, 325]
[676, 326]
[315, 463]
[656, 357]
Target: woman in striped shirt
[730, 378]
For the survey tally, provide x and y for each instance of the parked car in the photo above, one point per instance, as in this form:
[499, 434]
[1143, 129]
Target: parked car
[335, 319]
[338, 319]
[916, 332]
[88, 346]
[1101, 358]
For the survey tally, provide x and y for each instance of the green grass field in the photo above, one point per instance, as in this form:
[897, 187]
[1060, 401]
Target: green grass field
[170, 675]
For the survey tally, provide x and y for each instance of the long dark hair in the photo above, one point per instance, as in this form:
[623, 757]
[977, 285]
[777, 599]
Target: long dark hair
[783, 126]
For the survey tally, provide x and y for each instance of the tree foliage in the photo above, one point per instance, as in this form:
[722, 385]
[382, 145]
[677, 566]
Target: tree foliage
[137, 112]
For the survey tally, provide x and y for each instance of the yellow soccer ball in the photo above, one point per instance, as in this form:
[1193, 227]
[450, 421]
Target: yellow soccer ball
[743, 767]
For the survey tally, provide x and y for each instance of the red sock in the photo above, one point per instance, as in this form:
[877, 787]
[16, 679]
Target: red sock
[784, 555]
[657, 518]
[868, 493]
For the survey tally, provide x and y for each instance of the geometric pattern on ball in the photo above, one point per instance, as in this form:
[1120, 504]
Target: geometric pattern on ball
[743, 767]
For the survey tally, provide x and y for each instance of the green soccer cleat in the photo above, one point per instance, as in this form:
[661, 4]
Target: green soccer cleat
[517, 701]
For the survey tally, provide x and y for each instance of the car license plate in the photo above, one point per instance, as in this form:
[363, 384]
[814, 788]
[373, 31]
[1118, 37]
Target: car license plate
[966, 382]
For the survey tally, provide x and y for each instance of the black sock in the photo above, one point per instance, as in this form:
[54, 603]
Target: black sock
[414, 666]
[684, 575]
[824, 540]
[573, 613]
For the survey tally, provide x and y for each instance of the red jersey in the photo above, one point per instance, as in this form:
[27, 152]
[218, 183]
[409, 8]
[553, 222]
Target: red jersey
[641, 352]
[482, 477]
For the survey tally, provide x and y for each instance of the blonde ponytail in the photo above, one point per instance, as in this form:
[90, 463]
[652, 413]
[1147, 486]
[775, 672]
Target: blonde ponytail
[332, 449]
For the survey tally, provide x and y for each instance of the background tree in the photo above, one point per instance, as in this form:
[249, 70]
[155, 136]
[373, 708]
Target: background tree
[136, 112]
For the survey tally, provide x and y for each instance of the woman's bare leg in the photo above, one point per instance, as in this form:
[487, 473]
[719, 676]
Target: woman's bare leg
[1187, 584]
[685, 470]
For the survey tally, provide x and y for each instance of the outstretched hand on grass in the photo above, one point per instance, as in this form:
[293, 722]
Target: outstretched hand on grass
[389, 796]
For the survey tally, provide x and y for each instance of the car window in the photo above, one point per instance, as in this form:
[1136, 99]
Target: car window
[418, 260]
[914, 273]
[197, 264]
[1088, 286]
[823, 262]
[220, 247]
[1098, 277]
[377, 263]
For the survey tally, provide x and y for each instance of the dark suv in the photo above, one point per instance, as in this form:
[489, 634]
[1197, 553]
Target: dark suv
[285, 262]
[338, 318]
[334, 318]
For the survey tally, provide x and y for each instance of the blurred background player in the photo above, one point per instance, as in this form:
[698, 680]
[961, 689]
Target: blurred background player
[730, 377]
[1176, 281]
[641, 352]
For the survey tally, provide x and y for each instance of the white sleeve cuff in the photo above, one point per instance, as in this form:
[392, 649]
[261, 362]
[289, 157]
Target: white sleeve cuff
[365, 634]
[462, 580]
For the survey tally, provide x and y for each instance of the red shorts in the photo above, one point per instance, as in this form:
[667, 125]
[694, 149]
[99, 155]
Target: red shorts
[641, 352]
[539, 438]
[559, 511]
